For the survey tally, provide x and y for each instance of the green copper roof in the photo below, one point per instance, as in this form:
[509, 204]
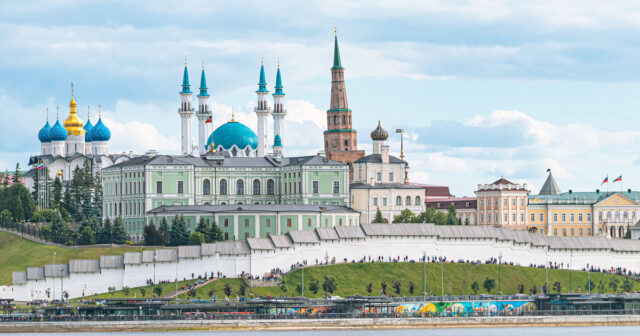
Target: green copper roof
[581, 197]
[203, 85]
[186, 87]
[262, 84]
[337, 64]
[279, 86]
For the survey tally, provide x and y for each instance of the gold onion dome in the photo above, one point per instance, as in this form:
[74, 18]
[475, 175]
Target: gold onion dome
[73, 124]
[379, 133]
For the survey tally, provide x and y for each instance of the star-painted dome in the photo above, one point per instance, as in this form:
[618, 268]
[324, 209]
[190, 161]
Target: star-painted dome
[379, 133]
[58, 132]
[43, 135]
[87, 127]
[100, 132]
[233, 133]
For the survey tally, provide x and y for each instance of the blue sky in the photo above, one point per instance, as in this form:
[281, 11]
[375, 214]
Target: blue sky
[483, 88]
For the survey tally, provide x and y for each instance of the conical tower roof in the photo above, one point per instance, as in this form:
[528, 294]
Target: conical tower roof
[550, 187]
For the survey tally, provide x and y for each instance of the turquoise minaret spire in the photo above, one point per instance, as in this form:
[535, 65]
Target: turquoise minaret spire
[278, 106]
[262, 84]
[262, 111]
[203, 83]
[186, 87]
[278, 86]
[203, 114]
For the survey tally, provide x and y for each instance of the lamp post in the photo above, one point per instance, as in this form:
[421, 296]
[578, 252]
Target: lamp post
[570, 272]
[54, 284]
[441, 276]
[499, 267]
[61, 285]
[154, 267]
[589, 278]
[424, 276]
[326, 269]
[546, 270]
[178, 259]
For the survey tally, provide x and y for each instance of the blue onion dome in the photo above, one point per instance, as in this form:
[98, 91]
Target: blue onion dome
[379, 133]
[43, 135]
[87, 130]
[277, 141]
[58, 132]
[233, 133]
[100, 132]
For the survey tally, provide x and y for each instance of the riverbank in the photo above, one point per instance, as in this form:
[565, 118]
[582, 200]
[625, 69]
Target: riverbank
[325, 324]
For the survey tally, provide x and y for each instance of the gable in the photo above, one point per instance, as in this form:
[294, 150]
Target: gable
[616, 200]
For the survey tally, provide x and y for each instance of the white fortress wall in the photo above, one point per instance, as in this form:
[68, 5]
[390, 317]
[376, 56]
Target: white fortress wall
[258, 256]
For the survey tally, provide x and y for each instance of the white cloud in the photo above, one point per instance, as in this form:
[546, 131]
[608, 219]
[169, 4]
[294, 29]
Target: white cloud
[139, 137]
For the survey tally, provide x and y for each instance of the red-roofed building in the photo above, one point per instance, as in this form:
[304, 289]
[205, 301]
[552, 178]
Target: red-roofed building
[466, 207]
[7, 179]
[434, 191]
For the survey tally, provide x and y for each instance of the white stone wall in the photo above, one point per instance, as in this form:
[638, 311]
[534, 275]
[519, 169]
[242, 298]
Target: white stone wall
[261, 262]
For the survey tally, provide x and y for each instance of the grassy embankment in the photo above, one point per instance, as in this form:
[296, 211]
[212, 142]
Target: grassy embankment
[16, 254]
[353, 279]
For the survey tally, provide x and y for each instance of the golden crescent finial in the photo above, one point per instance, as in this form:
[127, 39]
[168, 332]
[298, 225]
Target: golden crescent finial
[278, 62]
[202, 63]
[185, 60]
[47, 114]
[233, 115]
[335, 29]
[261, 59]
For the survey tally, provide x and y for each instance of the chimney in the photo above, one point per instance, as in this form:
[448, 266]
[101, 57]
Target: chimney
[384, 153]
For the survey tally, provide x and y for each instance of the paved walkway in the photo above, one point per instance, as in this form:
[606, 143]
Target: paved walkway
[182, 291]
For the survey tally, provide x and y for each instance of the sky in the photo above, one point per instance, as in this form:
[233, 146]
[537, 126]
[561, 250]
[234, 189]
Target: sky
[483, 88]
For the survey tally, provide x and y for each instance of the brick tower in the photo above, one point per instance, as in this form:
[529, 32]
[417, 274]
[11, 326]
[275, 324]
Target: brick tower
[340, 139]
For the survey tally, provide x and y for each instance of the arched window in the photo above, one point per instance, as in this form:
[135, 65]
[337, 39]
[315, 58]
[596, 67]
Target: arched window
[206, 187]
[270, 187]
[223, 187]
[240, 187]
[398, 200]
[344, 120]
[417, 202]
[407, 201]
[256, 187]
[335, 120]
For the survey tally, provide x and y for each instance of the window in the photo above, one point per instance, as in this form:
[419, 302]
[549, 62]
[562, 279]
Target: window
[226, 222]
[533, 217]
[407, 200]
[522, 201]
[398, 200]
[336, 187]
[391, 177]
[180, 187]
[309, 222]
[378, 176]
[572, 232]
[270, 187]
[564, 217]
[564, 232]
[513, 218]
[555, 232]
[346, 142]
[497, 218]
[340, 222]
[580, 218]
[541, 230]
[495, 202]
[256, 187]
[506, 218]
[600, 215]
[226, 236]
[159, 187]
[505, 202]
[417, 202]
[315, 187]
[481, 202]
[624, 215]
[375, 201]
[344, 120]
[384, 201]
[608, 214]
[246, 235]
[580, 232]
[288, 222]
[572, 217]
[335, 120]
[240, 187]
[588, 217]
[482, 218]
[223, 187]
[268, 223]
[206, 187]
[513, 201]
[522, 217]
[246, 222]
[541, 217]
[589, 232]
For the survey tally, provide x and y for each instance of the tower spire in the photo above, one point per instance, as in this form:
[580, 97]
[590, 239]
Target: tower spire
[262, 111]
[47, 114]
[186, 87]
[203, 83]
[337, 64]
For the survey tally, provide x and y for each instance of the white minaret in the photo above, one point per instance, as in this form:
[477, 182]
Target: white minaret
[279, 111]
[203, 114]
[262, 111]
[185, 111]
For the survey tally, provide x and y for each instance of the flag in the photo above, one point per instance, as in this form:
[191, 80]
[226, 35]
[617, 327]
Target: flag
[548, 170]
[208, 121]
[606, 179]
[40, 166]
[618, 179]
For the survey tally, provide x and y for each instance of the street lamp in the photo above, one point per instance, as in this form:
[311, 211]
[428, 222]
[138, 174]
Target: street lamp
[589, 278]
[570, 272]
[441, 275]
[61, 285]
[154, 267]
[424, 276]
[54, 284]
[499, 266]
[326, 269]
[546, 270]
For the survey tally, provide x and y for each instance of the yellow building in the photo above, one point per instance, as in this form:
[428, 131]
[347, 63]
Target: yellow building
[502, 203]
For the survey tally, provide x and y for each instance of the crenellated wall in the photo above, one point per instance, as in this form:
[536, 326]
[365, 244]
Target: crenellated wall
[258, 256]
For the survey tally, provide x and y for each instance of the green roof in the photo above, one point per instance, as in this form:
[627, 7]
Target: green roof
[583, 197]
[337, 64]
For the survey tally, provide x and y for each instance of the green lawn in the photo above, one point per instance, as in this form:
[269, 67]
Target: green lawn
[16, 254]
[353, 279]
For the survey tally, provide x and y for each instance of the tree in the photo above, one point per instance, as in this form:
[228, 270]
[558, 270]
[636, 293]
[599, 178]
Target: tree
[227, 289]
[601, 287]
[427, 216]
[534, 290]
[329, 285]
[397, 286]
[440, 218]
[57, 193]
[557, 286]
[204, 229]
[521, 288]
[143, 292]
[152, 237]
[613, 283]
[466, 221]
[314, 286]
[164, 231]
[475, 287]
[489, 284]
[627, 285]
[452, 217]
[405, 216]
[283, 288]
[196, 238]
[16, 174]
[118, 234]
[60, 232]
[158, 290]
[378, 218]
[86, 236]
[590, 285]
[411, 287]
[126, 291]
[627, 234]
[104, 235]
[370, 288]
[111, 290]
[5, 217]
[178, 234]
[215, 234]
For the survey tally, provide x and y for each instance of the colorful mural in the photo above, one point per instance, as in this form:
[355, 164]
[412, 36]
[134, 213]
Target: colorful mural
[456, 308]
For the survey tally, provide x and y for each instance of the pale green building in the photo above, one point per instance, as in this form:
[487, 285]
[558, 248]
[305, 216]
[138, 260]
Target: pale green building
[134, 187]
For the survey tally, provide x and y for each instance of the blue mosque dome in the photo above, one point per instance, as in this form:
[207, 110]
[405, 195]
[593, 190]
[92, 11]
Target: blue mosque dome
[43, 135]
[233, 133]
[100, 132]
[58, 132]
[87, 128]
